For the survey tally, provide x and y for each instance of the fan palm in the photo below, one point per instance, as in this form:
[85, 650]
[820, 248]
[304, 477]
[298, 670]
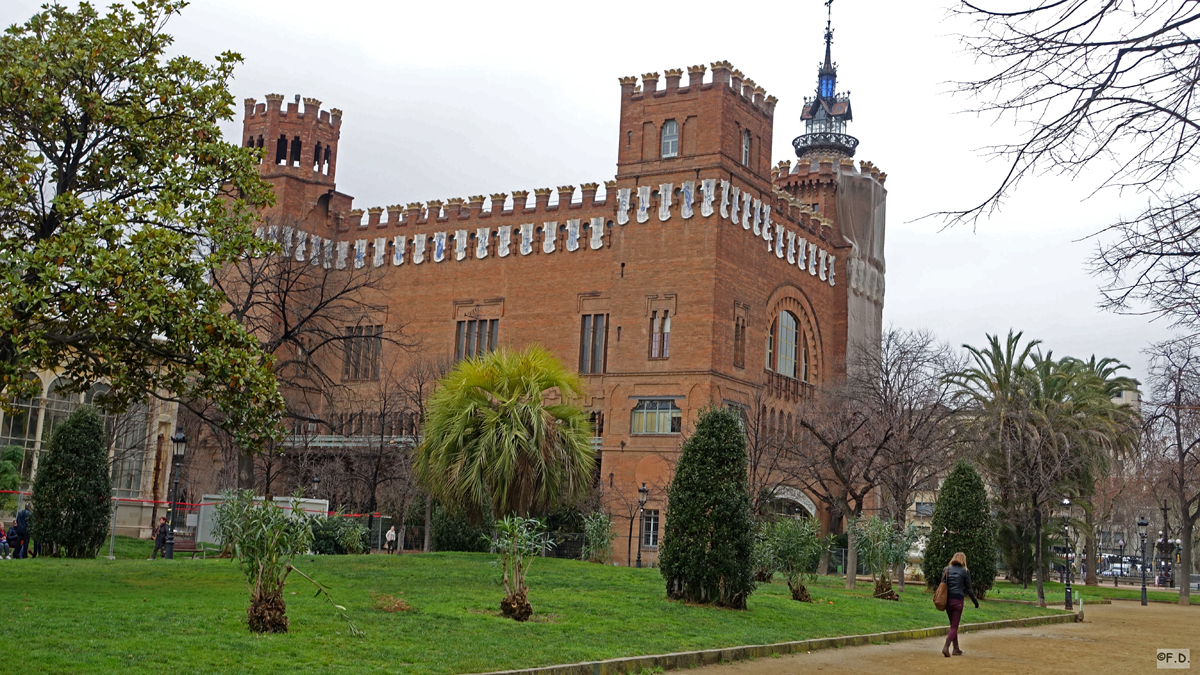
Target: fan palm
[502, 436]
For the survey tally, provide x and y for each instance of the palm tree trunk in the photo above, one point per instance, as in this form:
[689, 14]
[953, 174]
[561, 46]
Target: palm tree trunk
[1089, 550]
[1037, 557]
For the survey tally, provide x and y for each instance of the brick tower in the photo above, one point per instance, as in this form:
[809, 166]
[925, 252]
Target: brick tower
[299, 157]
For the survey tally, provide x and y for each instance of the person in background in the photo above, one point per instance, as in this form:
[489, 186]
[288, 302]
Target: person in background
[5, 552]
[24, 516]
[12, 540]
[160, 538]
[391, 539]
[958, 587]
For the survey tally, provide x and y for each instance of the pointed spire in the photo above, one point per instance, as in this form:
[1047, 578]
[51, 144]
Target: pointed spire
[827, 76]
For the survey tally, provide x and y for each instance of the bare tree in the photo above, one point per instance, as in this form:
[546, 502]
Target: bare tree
[1109, 84]
[1172, 437]
[905, 382]
[314, 319]
[837, 453]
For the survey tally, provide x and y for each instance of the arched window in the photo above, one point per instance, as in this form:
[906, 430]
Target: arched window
[787, 337]
[670, 139]
[804, 357]
[19, 427]
[746, 147]
[129, 451]
[59, 406]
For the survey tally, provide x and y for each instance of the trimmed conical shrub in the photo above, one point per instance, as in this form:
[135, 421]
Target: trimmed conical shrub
[71, 505]
[963, 522]
[707, 547]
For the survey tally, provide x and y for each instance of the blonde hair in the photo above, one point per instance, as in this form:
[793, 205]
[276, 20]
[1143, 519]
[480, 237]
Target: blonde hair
[959, 558]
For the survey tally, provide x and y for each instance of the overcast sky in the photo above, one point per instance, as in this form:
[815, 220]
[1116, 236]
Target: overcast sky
[450, 99]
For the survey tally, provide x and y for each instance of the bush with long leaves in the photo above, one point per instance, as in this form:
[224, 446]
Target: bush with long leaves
[519, 541]
[265, 539]
[598, 537]
[882, 547]
[495, 442]
[765, 561]
[796, 545]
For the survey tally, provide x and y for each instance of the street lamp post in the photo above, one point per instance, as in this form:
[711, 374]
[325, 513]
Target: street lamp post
[1120, 563]
[178, 446]
[316, 484]
[1066, 513]
[1142, 525]
[643, 494]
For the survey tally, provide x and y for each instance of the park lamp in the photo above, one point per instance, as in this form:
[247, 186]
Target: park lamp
[316, 483]
[643, 495]
[1064, 508]
[1142, 525]
[179, 443]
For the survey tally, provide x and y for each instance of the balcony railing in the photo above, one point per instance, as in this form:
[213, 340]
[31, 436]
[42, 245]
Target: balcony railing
[830, 140]
[787, 388]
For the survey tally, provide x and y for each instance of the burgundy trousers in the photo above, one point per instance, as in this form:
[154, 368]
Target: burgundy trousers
[954, 609]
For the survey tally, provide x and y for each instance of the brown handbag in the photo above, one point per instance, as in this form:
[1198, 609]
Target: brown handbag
[942, 593]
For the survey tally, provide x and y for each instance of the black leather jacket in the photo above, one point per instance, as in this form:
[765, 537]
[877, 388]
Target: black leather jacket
[958, 583]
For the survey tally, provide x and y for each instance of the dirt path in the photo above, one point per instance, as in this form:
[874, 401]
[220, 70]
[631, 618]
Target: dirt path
[1117, 638]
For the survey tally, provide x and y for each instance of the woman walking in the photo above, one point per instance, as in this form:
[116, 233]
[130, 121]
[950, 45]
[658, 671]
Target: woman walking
[958, 587]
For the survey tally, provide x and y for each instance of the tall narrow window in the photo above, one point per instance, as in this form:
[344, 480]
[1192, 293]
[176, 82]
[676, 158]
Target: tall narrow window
[650, 528]
[739, 342]
[804, 358]
[325, 165]
[593, 343]
[787, 340]
[363, 347]
[475, 337]
[656, 416]
[746, 147]
[295, 158]
[771, 345]
[660, 334]
[281, 150]
[670, 139]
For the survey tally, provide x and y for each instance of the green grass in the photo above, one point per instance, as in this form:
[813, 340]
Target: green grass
[1055, 593]
[134, 616]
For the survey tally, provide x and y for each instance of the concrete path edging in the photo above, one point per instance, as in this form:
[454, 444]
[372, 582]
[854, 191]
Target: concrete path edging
[706, 657]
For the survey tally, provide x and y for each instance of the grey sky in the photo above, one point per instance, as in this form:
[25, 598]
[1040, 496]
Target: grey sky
[450, 99]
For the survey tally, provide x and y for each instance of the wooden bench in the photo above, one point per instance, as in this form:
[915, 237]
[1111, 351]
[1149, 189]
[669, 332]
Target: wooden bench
[192, 547]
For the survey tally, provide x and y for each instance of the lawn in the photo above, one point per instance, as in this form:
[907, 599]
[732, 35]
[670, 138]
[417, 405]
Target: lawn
[135, 616]
[1055, 593]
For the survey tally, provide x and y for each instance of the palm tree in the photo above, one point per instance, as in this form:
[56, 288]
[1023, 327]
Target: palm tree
[1044, 427]
[502, 437]
[1114, 434]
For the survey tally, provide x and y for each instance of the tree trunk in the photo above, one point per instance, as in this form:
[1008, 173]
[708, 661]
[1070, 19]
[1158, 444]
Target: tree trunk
[1037, 557]
[428, 524]
[1090, 577]
[823, 563]
[245, 470]
[851, 559]
[1185, 561]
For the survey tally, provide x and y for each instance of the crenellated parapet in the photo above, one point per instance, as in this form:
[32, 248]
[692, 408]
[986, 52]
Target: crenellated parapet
[723, 75]
[293, 141]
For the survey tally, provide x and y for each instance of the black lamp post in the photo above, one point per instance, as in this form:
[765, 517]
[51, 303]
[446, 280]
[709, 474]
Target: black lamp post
[643, 494]
[316, 484]
[1120, 571]
[1142, 525]
[178, 447]
[1065, 507]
